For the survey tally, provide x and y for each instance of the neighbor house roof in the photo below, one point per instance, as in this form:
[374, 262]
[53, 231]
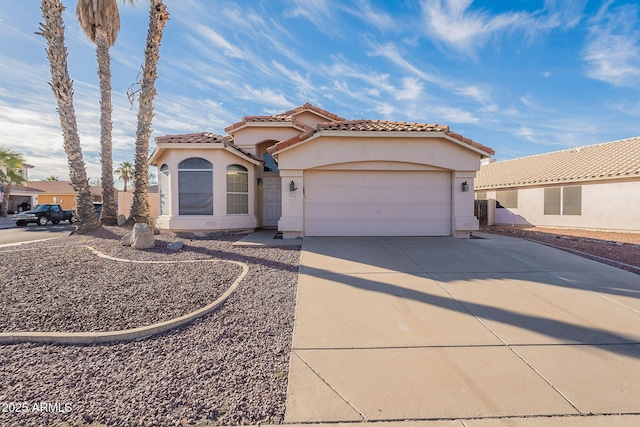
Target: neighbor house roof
[61, 187]
[24, 188]
[376, 126]
[616, 159]
[198, 138]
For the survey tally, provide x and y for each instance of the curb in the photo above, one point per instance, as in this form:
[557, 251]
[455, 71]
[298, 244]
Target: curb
[126, 334]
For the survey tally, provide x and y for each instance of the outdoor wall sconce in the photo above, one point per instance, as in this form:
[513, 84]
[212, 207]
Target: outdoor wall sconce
[465, 186]
[259, 181]
[292, 186]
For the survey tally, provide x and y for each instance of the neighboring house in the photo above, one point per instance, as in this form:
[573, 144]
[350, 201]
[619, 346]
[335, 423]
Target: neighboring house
[21, 197]
[596, 186]
[309, 172]
[61, 192]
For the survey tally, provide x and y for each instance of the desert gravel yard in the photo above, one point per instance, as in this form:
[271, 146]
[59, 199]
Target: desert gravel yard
[229, 367]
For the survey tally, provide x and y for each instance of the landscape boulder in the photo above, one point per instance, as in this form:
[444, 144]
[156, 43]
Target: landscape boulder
[121, 220]
[142, 237]
[126, 240]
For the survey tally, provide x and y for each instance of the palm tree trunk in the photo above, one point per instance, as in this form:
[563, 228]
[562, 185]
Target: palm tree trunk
[108, 215]
[158, 17]
[53, 31]
[4, 207]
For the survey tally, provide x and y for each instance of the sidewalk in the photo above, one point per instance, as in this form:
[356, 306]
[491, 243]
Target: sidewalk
[7, 222]
[487, 332]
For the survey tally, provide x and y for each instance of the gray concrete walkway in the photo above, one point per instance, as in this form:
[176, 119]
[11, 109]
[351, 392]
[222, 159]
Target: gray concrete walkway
[482, 332]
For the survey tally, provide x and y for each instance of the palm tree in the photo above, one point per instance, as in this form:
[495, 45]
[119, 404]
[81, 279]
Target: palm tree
[10, 162]
[100, 21]
[52, 178]
[125, 173]
[158, 17]
[53, 31]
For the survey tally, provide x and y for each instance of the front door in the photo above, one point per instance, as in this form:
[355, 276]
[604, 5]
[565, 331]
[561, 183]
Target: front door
[272, 200]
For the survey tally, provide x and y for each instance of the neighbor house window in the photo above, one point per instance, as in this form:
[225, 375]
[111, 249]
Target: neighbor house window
[270, 164]
[195, 187]
[552, 197]
[507, 198]
[572, 200]
[563, 200]
[163, 188]
[237, 190]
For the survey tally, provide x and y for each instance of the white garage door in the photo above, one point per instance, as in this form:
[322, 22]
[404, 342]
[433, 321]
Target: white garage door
[377, 203]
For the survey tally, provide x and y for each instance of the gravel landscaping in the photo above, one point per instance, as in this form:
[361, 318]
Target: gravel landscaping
[229, 367]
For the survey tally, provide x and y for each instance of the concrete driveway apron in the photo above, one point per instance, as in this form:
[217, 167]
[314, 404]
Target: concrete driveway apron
[481, 330]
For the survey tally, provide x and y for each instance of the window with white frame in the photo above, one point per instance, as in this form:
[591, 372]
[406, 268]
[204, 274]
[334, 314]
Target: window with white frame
[237, 190]
[163, 189]
[195, 187]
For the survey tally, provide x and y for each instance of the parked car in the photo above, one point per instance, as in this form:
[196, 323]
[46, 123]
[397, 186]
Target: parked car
[42, 214]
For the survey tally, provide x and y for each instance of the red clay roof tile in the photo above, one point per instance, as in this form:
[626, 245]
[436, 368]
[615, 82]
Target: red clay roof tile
[376, 126]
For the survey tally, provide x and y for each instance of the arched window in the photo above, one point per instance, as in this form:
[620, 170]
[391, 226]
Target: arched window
[270, 164]
[195, 187]
[163, 189]
[237, 190]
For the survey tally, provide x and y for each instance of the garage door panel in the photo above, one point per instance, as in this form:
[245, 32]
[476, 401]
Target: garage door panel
[361, 203]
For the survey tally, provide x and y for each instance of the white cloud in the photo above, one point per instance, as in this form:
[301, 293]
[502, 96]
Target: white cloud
[546, 74]
[456, 24]
[612, 52]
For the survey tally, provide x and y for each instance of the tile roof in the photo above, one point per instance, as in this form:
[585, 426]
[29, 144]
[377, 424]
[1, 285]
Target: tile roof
[286, 117]
[376, 126]
[19, 187]
[616, 159]
[61, 187]
[265, 119]
[202, 138]
[309, 107]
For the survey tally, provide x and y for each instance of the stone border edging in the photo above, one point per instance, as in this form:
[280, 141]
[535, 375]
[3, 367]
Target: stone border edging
[126, 334]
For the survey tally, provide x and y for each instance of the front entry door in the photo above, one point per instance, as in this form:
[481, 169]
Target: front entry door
[272, 200]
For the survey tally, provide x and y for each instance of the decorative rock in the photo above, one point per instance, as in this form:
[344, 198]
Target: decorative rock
[126, 240]
[121, 220]
[175, 246]
[142, 237]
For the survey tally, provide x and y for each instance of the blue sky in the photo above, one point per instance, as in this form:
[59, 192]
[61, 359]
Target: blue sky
[521, 76]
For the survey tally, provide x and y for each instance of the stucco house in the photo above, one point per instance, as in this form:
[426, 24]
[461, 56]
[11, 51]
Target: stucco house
[595, 186]
[308, 172]
[21, 196]
[61, 192]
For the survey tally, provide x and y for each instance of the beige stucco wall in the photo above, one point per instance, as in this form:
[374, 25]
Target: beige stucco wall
[126, 199]
[611, 205]
[248, 137]
[220, 158]
[386, 153]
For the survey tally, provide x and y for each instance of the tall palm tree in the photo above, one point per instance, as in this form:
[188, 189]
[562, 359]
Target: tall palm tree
[158, 17]
[10, 162]
[125, 173]
[53, 31]
[100, 21]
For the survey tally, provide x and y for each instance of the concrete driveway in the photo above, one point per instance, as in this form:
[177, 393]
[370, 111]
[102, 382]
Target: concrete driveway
[482, 332]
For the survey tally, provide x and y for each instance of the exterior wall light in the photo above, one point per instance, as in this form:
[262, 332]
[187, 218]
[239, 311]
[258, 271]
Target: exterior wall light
[292, 186]
[465, 186]
[259, 181]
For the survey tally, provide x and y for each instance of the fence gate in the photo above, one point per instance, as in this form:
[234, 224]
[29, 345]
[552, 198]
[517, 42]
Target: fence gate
[481, 211]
